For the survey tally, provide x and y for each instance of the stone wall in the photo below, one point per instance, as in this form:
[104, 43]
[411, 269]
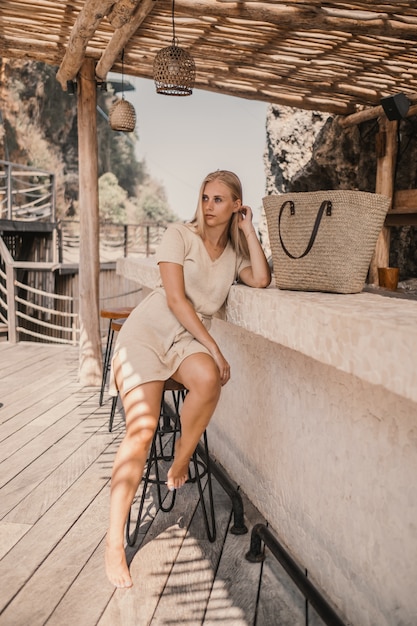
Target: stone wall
[309, 151]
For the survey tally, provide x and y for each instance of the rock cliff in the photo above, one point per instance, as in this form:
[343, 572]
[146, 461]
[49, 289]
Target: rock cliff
[308, 151]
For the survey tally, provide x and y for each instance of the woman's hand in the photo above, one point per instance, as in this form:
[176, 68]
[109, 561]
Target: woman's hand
[258, 273]
[245, 217]
[223, 365]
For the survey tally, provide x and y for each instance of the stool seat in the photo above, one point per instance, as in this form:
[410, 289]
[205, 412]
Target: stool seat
[116, 325]
[112, 313]
[169, 385]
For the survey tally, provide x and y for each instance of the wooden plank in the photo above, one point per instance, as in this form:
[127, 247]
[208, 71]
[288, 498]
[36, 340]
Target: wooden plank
[402, 219]
[29, 503]
[233, 598]
[11, 362]
[12, 385]
[41, 455]
[36, 386]
[90, 593]
[30, 466]
[56, 573]
[188, 586]
[52, 541]
[23, 560]
[10, 534]
[21, 419]
[152, 565]
[11, 355]
[52, 364]
[280, 601]
[405, 201]
[20, 408]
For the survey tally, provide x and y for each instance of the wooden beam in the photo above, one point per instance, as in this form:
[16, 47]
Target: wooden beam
[303, 17]
[371, 114]
[121, 12]
[401, 219]
[122, 36]
[89, 267]
[84, 28]
[385, 186]
[405, 201]
[11, 291]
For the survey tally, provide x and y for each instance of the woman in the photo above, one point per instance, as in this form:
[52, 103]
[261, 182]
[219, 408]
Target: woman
[167, 335]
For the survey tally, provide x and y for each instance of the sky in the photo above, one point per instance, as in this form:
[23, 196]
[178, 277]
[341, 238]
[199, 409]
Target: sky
[184, 138]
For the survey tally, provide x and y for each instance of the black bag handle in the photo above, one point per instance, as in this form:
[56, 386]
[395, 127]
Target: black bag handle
[326, 204]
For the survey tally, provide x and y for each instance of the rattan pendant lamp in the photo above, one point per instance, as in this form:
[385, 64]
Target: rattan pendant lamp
[174, 68]
[122, 115]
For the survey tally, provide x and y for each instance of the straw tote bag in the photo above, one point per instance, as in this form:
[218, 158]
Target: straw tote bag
[324, 240]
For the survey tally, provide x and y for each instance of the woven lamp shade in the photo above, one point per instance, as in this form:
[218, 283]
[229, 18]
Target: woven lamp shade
[174, 72]
[122, 116]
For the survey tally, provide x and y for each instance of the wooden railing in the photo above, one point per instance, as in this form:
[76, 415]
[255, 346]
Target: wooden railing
[116, 240]
[26, 193]
[30, 310]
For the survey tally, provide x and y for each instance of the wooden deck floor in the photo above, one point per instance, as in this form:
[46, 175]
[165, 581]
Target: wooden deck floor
[55, 462]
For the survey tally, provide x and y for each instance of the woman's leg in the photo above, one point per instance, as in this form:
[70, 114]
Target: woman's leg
[142, 407]
[200, 375]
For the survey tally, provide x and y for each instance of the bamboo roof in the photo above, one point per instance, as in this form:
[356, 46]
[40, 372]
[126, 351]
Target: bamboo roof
[337, 57]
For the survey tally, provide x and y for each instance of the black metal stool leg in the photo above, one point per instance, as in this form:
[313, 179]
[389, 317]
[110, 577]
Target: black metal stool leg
[106, 361]
[154, 456]
[152, 462]
[169, 426]
[208, 515]
[112, 412]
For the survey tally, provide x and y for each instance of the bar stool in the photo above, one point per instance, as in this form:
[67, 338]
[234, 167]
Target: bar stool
[162, 449]
[115, 326]
[111, 314]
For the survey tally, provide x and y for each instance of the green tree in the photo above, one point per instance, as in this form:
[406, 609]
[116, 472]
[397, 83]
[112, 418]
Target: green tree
[152, 204]
[40, 128]
[112, 199]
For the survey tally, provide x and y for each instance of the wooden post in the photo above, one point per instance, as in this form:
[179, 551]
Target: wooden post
[385, 172]
[90, 343]
[11, 292]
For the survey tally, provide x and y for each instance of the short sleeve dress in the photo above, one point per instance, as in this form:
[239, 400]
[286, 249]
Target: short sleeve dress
[152, 343]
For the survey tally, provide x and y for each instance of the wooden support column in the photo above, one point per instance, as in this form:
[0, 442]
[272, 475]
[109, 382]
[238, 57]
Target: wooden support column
[386, 150]
[90, 343]
[11, 292]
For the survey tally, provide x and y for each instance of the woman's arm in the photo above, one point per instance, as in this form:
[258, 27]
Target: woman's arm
[172, 276]
[258, 274]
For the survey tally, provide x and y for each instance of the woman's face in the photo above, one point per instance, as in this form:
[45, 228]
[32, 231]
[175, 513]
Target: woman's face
[218, 204]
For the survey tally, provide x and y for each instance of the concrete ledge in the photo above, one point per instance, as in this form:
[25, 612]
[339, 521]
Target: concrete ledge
[366, 335]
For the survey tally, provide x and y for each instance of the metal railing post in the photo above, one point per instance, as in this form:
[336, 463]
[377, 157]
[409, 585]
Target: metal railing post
[8, 169]
[125, 240]
[148, 248]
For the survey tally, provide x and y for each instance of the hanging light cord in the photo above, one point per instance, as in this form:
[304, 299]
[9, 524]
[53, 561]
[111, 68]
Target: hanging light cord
[123, 71]
[173, 23]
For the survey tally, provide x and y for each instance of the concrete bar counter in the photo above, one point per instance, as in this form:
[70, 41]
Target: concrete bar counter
[318, 426]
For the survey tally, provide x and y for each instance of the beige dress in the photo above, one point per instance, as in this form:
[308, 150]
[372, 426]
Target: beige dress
[152, 343]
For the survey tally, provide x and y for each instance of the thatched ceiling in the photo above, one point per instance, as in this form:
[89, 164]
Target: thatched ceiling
[330, 56]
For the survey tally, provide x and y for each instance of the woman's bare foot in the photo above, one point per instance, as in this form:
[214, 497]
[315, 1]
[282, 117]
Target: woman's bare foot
[116, 566]
[178, 472]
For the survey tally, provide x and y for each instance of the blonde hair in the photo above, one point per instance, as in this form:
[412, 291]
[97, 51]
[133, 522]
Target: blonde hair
[234, 234]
